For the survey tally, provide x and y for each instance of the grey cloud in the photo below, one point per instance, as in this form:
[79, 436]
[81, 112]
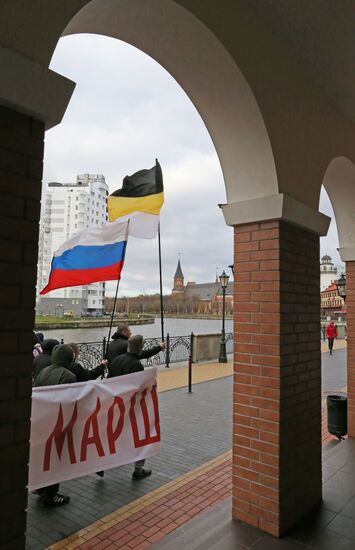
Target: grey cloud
[126, 110]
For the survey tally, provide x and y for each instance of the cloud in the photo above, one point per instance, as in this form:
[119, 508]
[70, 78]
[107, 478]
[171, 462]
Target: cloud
[126, 111]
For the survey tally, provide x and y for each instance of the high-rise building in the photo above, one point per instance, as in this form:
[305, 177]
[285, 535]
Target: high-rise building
[70, 208]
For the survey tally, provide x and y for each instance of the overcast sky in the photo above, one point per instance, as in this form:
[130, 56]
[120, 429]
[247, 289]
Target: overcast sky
[127, 110]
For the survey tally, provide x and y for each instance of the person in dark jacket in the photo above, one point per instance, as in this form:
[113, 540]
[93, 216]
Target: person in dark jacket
[82, 374]
[120, 343]
[56, 373]
[44, 359]
[127, 364]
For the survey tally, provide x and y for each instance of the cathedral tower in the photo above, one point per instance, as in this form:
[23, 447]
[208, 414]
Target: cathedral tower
[178, 280]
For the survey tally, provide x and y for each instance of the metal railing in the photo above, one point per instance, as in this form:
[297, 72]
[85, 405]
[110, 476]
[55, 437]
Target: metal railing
[178, 349]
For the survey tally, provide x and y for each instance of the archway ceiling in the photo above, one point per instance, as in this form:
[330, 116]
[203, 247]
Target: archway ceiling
[321, 35]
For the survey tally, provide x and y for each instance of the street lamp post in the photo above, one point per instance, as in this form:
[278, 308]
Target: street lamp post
[341, 285]
[224, 278]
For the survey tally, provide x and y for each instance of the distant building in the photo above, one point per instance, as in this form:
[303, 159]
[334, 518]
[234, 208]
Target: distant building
[178, 281]
[328, 272]
[70, 208]
[331, 303]
[209, 295]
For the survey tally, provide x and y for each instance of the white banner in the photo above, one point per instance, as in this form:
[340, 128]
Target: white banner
[78, 429]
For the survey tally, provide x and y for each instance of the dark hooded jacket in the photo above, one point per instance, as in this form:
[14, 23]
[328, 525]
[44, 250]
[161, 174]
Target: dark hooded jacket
[125, 364]
[58, 372]
[119, 347]
[44, 359]
[83, 375]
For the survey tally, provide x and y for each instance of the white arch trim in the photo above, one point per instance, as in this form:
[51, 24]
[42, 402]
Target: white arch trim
[192, 54]
[339, 182]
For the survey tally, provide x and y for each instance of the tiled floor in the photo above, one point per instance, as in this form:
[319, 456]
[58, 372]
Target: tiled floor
[153, 516]
[331, 527]
[195, 429]
[188, 479]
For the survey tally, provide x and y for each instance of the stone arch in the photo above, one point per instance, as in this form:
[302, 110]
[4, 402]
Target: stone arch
[339, 182]
[199, 62]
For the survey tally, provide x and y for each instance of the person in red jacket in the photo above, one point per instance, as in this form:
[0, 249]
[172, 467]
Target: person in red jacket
[331, 333]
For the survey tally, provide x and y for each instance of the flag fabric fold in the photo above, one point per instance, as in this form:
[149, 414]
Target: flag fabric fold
[140, 200]
[93, 255]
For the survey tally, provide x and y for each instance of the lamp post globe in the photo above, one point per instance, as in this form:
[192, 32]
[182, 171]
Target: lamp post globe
[223, 279]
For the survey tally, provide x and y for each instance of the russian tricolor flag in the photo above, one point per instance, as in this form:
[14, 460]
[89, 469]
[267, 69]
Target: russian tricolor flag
[90, 256]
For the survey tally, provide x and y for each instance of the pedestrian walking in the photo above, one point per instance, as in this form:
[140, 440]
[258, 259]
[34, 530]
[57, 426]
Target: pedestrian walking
[56, 373]
[37, 343]
[44, 359]
[120, 342]
[331, 333]
[126, 364]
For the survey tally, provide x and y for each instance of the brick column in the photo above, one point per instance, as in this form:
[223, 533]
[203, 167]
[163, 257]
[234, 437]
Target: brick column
[277, 375]
[21, 157]
[350, 308]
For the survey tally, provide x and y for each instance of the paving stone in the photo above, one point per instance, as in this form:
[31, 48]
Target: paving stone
[195, 428]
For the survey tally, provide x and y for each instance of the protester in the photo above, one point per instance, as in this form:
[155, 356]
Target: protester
[37, 343]
[44, 359]
[120, 342]
[56, 373]
[127, 364]
[82, 374]
[331, 333]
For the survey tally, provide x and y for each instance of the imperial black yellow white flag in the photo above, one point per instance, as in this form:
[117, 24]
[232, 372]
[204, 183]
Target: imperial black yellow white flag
[139, 200]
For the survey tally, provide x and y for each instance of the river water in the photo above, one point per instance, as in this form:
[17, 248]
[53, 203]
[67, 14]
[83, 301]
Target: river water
[175, 327]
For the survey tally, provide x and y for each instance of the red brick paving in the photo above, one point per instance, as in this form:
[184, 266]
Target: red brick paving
[167, 513]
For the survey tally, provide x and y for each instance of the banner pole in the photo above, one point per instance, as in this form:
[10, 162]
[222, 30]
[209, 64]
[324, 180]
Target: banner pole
[161, 288]
[115, 300]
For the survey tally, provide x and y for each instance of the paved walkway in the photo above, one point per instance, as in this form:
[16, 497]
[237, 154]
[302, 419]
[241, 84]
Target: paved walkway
[191, 474]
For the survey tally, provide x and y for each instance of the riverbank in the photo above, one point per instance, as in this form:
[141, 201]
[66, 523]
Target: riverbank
[89, 323]
[208, 317]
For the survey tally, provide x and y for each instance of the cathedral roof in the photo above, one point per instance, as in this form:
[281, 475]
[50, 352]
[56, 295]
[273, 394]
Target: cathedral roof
[178, 272]
[206, 291]
[326, 259]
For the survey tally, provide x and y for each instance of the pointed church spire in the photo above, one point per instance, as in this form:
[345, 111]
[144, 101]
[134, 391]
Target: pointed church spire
[178, 279]
[178, 272]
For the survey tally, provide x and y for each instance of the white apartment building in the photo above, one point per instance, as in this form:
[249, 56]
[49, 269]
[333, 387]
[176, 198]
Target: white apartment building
[70, 208]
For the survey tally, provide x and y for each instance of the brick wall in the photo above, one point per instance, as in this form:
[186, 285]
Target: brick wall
[21, 154]
[350, 307]
[277, 375]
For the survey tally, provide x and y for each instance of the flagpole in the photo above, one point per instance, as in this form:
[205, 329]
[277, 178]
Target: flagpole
[115, 300]
[161, 288]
